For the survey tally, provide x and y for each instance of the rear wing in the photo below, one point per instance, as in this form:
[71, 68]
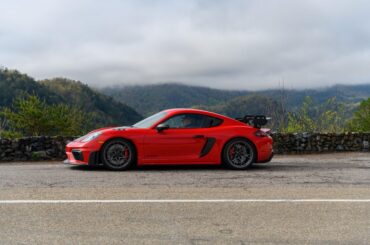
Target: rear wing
[256, 121]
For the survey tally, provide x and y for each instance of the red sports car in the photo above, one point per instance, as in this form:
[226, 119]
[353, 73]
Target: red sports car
[176, 136]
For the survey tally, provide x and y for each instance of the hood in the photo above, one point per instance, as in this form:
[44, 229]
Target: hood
[121, 128]
[99, 129]
[102, 130]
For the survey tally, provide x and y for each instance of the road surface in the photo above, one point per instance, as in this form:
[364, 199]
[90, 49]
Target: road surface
[310, 199]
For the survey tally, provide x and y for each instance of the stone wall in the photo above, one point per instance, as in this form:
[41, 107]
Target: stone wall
[320, 142]
[52, 148]
[33, 148]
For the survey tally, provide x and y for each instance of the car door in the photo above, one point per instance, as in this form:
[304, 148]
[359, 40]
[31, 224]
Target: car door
[178, 144]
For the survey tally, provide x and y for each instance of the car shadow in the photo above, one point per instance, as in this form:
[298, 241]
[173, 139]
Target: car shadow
[273, 167]
[153, 168]
[253, 168]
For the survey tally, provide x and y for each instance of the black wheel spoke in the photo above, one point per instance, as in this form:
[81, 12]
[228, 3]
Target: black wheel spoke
[118, 154]
[240, 154]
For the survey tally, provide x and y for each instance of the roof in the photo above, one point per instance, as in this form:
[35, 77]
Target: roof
[197, 111]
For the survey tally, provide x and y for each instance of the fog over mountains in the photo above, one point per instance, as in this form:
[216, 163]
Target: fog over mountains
[148, 99]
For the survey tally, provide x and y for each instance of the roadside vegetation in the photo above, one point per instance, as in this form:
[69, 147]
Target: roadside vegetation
[310, 117]
[63, 95]
[360, 121]
[31, 116]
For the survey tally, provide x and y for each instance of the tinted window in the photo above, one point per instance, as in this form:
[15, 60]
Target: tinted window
[192, 121]
[211, 122]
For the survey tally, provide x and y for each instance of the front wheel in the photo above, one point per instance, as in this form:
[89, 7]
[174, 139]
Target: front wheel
[118, 154]
[238, 154]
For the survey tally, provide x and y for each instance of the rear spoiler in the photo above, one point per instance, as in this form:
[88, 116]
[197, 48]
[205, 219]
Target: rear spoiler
[256, 121]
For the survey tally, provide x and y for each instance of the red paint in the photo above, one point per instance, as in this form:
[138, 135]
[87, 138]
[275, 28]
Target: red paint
[177, 145]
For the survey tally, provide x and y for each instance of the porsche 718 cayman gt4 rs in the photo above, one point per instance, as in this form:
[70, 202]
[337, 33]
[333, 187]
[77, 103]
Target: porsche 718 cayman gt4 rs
[176, 136]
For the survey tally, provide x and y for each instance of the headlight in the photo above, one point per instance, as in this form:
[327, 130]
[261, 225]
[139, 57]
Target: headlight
[90, 137]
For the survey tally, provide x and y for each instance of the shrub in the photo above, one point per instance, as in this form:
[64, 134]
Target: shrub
[360, 121]
[30, 116]
[327, 117]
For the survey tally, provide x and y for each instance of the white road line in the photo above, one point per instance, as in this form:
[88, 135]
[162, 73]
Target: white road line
[51, 201]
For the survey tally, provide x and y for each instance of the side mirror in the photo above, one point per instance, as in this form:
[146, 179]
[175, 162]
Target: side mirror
[162, 127]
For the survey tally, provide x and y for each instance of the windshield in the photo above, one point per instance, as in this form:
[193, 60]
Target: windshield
[150, 121]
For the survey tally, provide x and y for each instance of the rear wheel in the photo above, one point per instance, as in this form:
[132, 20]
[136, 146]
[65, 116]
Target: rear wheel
[238, 154]
[118, 154]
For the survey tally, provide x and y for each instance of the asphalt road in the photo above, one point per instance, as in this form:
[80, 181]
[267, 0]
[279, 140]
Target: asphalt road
[247, 213]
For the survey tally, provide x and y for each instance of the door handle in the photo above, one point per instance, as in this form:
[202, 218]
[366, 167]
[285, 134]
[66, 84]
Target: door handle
[198, 136]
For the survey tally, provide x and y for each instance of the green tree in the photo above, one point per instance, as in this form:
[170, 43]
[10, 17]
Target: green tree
[30, 116]
[326, 117]
[68, 120]
[360, 122]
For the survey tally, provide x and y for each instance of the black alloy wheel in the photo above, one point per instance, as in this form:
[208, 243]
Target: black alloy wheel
[239, 154]
[118, 154]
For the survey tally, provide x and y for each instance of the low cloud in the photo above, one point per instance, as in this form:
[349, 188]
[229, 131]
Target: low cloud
[223, 44]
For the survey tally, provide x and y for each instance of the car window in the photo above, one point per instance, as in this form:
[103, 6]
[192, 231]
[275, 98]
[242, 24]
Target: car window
[192, 121]
[211, 122]
[150, 121]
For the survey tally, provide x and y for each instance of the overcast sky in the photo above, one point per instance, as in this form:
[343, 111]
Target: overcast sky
[216, 43]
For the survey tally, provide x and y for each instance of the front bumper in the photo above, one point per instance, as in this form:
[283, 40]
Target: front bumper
[88, 158]
[79, 153]
[78, 156]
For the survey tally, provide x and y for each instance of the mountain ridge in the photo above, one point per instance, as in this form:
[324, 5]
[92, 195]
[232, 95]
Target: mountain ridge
[104, 109]
[148, 99]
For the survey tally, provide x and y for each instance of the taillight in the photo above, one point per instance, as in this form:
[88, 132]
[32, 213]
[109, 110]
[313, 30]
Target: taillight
[261, 134]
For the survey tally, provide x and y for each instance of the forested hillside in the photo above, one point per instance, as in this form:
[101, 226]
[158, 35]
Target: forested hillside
[103, 109]
[349, 94]
[253, 104]
[152, 98]
[148, 99]
[329, 109]
[250, 104]
[14, 84]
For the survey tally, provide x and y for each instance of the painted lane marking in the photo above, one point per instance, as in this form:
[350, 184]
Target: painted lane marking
[51, 201]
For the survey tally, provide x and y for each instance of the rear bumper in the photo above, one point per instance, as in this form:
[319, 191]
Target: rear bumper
[268, 159]
[265, 150]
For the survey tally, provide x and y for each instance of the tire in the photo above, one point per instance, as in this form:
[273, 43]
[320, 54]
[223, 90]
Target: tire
[118, 154]
[239, 154]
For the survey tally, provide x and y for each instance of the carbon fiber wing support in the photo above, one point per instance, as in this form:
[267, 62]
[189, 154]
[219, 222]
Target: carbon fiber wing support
[256, 121]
